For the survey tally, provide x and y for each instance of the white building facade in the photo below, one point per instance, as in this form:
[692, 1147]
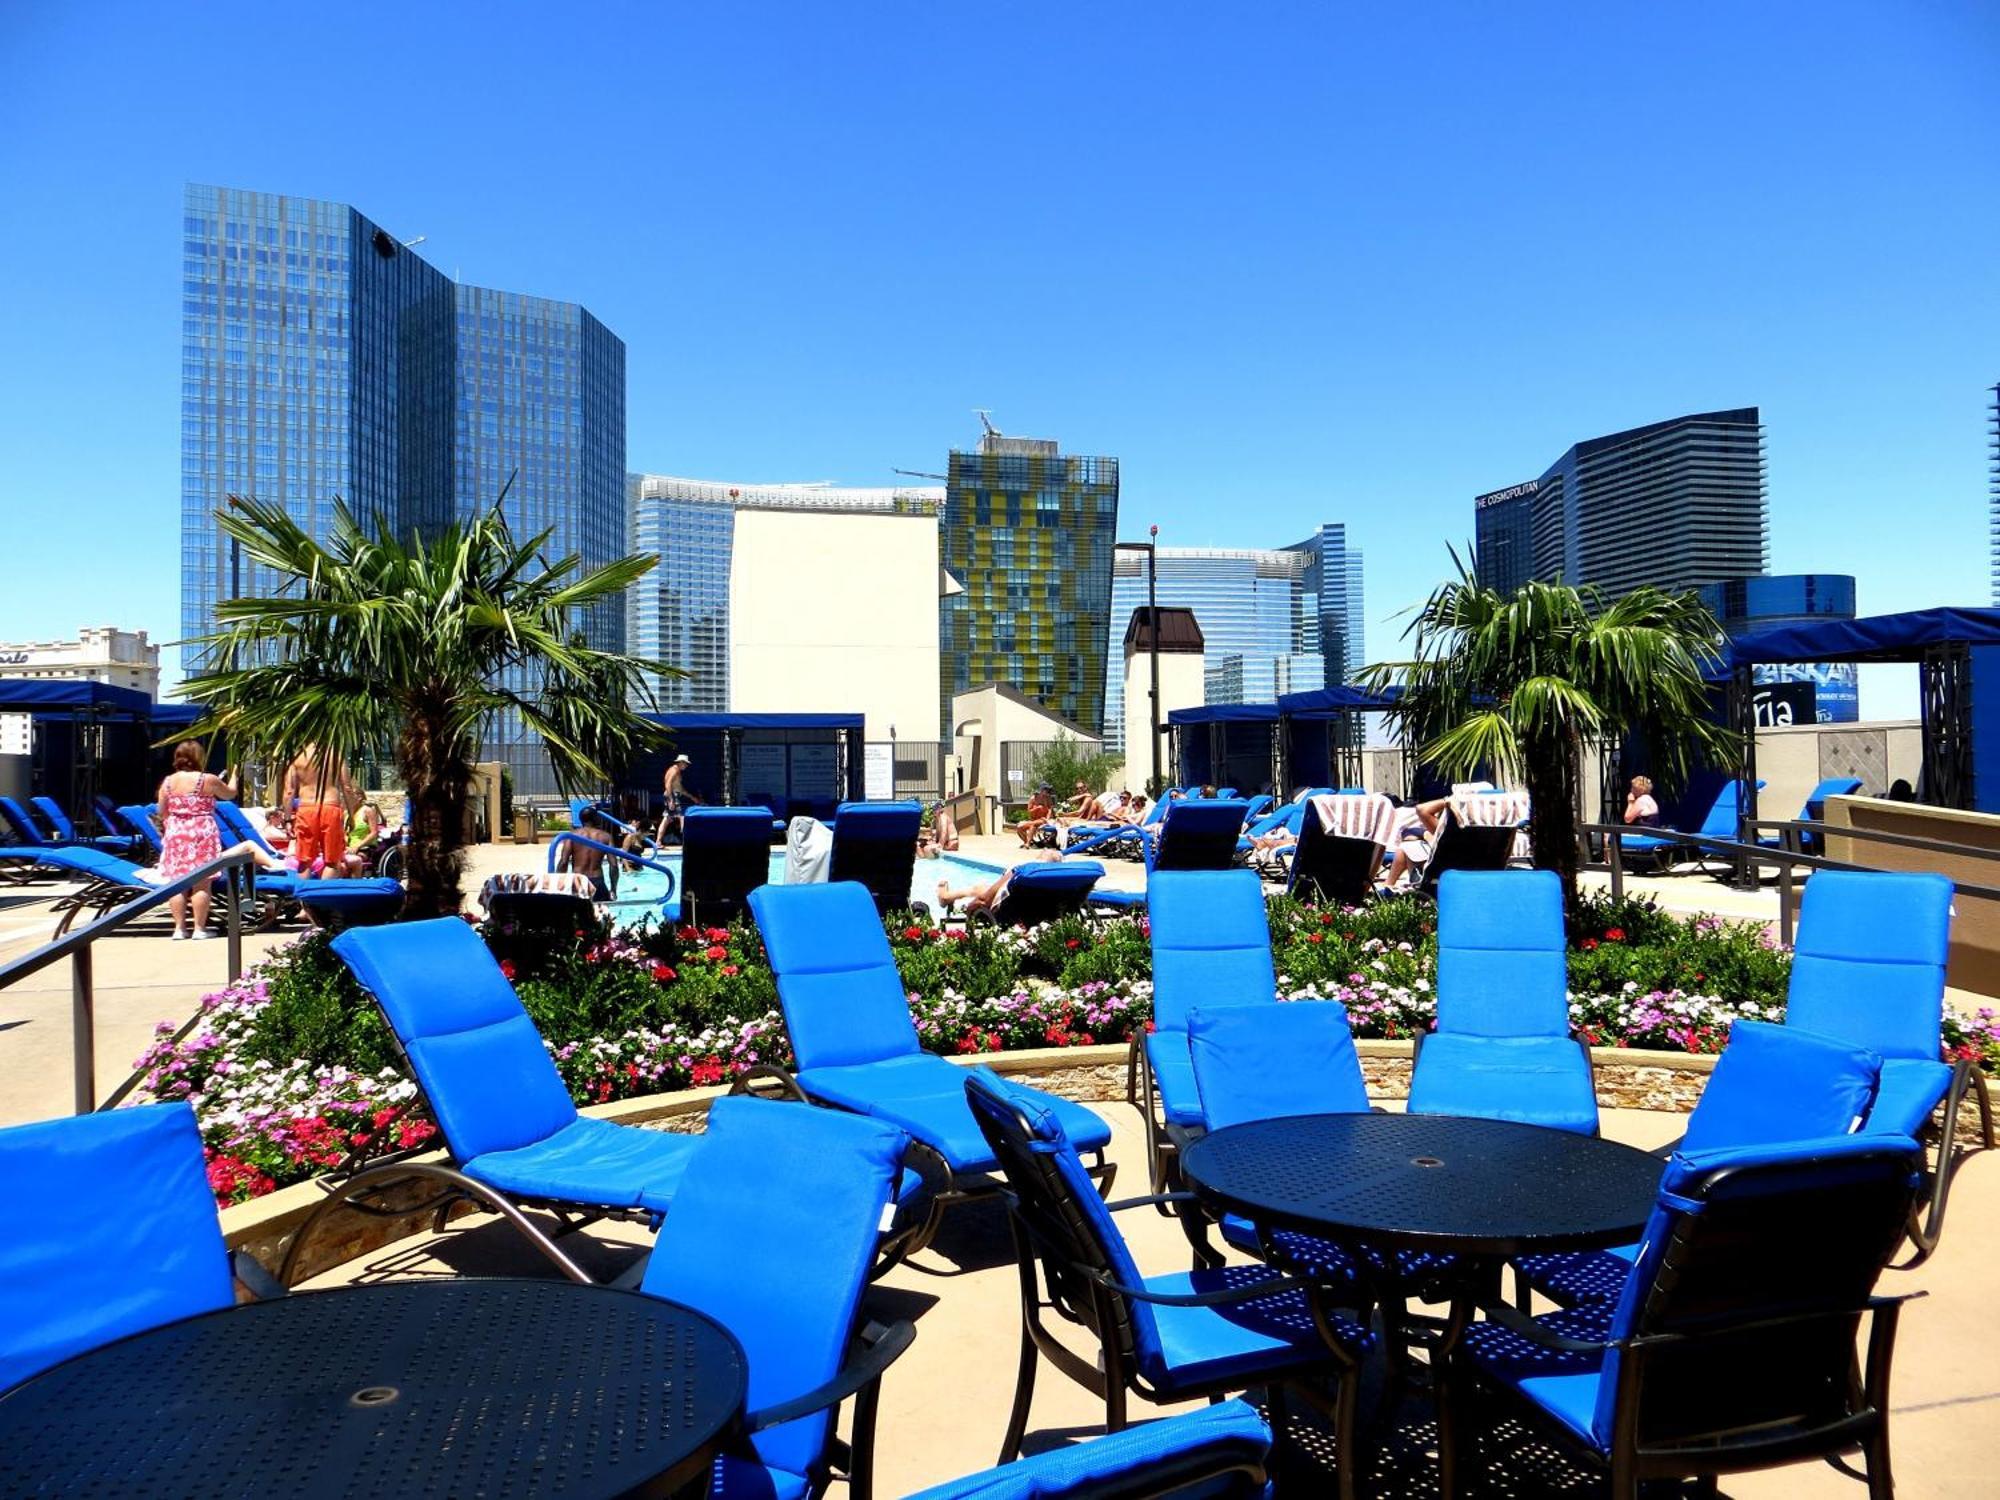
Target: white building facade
[100, 653]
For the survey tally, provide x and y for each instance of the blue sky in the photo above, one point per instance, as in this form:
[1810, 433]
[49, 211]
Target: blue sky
[1353, 264]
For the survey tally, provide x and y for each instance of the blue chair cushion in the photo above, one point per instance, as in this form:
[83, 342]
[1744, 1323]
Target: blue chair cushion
[349, 895]
[1211, 942]
[1868, 965]
[1502, 967]
[1210, 1345]
[1538, 1080]
[773, 1232]
[113, 1232]
[490, 1082]
[736, 1478]
[1582, 1277]
[1565, 1385]
[592, 1161]
[924, 1095]
[843, 998]
[1268, 1062]
[1781, 1083]
[1173, 1074]
[1230, 1433]
[1909, 1094]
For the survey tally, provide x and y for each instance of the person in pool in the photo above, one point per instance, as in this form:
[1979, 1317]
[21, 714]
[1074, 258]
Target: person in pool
[940, 833]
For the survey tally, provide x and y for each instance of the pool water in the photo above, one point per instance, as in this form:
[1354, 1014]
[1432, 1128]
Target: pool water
[640, 890]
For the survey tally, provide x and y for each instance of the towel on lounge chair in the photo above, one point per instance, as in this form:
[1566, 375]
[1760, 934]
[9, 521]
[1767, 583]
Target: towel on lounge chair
[1367, 816]
[808, 852]
[1491, 809]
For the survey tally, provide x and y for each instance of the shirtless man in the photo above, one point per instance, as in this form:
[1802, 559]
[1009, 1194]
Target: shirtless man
[1086, 808]
[318, 792]
[674, 785]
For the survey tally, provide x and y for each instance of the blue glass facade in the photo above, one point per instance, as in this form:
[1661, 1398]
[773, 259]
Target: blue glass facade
[679, 613]
[1762, 602]
[1267, 618]
[322, 359]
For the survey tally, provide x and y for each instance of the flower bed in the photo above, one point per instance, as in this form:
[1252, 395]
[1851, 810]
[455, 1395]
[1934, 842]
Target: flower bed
[292, 1068]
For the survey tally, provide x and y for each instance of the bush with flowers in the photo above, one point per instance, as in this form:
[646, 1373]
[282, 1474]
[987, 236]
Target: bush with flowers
[292, 1069]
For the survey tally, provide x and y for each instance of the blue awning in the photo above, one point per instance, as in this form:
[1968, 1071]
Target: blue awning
[61, 695]
[758, 721]
[1225, 713]
[1898, 637]
[1338, 700]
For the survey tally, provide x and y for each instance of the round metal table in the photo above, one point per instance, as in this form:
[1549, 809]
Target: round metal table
[460, 1387]
[1488, 1188]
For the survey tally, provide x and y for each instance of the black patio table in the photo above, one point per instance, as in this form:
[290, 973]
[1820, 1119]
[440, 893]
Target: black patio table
[1475, 1191]
[446, 1387]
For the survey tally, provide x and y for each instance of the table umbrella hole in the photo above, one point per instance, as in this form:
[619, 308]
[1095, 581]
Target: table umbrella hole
[1426, 1161]
[374, 1395]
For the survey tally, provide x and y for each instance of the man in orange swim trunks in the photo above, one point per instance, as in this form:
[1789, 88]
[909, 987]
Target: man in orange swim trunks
[319, 792]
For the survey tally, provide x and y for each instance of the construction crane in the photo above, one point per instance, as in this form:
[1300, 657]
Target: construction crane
[986, 420]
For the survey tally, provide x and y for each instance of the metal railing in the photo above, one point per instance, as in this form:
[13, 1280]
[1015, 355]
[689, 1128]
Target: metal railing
[1788, 855]
[75, 946]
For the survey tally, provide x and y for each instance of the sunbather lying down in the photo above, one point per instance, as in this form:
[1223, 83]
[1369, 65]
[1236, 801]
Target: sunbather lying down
[979, 898]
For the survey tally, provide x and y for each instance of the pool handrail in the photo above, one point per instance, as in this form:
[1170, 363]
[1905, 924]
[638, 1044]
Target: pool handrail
[626, 855]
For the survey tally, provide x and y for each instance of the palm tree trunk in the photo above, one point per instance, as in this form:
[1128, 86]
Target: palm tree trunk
[437, 775]
[1551, 772]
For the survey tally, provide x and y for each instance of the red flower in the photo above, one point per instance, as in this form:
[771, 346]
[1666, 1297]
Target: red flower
[686, 934]
[993, 1042]
[729, 969]
[969, 1042]
[1588, 944]
[1072, 943]
[1085, 1039]
[1326, 919]
[706, 1072]
[913, 934]
[715, 951]
[1315, 937]
[1614, 934]
[507, 967]
[716, 934]
[664, 973]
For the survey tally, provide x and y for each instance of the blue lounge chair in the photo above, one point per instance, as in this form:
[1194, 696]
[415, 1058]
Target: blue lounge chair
[139, 818]
[1211, 939]
[856, 1047]
[773, 1235]
[1196, 835]
[1119, 838]
[1331, 867]
[1868, 967]
[1043, 893]
[1732, 1345]
[66, 832]
[1772, 1084]
[1166, 1338]
[1814, 811]
[1216, 1453]
[1502, 1049]
[725, 855]
[27, 833]
[117, 1234]
[876, 844]
[513, 1135]
[1723, 820]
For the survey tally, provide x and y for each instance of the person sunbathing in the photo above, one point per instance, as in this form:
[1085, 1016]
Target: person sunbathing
[1041, 814]
[983, 898]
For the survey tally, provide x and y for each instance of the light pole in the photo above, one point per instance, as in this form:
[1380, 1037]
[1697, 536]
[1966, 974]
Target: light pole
[1151, 549]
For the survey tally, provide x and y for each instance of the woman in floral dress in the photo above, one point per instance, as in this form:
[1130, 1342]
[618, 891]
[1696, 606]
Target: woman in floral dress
[189, 837]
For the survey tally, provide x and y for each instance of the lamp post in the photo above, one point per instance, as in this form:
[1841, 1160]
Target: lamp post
[1151, 549]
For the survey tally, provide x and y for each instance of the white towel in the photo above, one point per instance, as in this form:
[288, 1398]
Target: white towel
[1349, 815]
[1491, 809]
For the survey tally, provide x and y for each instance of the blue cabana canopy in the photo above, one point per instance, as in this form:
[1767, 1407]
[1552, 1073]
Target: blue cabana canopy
[1338, 700]
[1224, 713]
[63, 695]
[1877, 638]
[758, 721]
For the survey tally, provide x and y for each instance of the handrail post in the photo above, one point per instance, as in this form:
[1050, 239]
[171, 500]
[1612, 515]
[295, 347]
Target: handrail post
[1614, 856]
[83, 1030]
[239, 892]
[1785, 887]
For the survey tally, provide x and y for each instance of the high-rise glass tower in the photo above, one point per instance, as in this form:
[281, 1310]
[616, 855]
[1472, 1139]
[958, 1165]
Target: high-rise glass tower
[323, 359]
[1676, 504]
[1266, 617]
[1029, 533]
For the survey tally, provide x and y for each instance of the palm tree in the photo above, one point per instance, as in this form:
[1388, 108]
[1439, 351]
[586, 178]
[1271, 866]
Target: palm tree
[1518, 685]
[375, 640]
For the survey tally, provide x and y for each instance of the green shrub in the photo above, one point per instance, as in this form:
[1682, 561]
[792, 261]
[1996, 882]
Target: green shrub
[318, 1012]
[1064, 761]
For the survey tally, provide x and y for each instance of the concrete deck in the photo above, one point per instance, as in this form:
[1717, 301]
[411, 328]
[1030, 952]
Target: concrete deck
[945, 1404]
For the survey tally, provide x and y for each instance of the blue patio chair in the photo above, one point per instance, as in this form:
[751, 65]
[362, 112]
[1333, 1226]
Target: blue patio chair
[1216, 1453]
[1502, 1049]
[1813, 810]
[511, 1132]
[1732, 1344]
[773, 1235]
[725, 855]
[1772, 1084]
[117, 1234]
[1044, 892]
[1119, 838]
[876, 844]
[848, 1018]
[1257, 806]
[1167, 1338]
[1868, 967]
[1211, 940]
[1722, 820]
[1461, 846]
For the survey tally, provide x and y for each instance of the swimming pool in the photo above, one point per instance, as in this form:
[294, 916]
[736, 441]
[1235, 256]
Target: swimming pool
[640, 890]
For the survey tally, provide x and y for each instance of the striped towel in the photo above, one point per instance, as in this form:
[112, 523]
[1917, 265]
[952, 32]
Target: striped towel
[540, 883]
[1491, 809]
[1369, 816]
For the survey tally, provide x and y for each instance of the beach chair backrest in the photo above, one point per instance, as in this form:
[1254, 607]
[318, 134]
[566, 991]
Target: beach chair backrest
[58, 820]
[1868, 960]
[25, 831]
[842, 996]
[1043, 892]
[1332, 867]
[1502, 965]
[876, 844]
[1199, 834]
[1781, 1083]
[773, 1233]
[1739, 1238]
[490, 1083]
[139, 818]
[1211, 941]
[1259, 1063]
[116, 1233]
[725, 855]
[1457, 847]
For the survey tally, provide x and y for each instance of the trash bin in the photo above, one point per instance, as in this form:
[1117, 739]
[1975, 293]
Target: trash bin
[524, 825]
